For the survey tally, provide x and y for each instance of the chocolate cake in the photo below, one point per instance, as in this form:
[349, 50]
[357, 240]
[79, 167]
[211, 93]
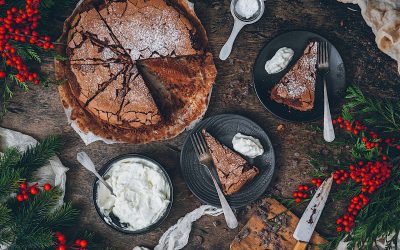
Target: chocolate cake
[296, 89]
[107, 93]
[233, 171]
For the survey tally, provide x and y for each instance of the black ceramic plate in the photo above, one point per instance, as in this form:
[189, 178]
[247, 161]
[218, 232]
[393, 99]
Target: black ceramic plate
[115, 224]
[224, 127]
[264, 82]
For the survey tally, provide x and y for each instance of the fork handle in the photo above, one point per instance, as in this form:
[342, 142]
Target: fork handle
[230, 217]
[329, 132]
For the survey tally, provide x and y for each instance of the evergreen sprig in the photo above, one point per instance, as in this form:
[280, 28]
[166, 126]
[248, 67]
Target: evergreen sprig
[379, 218]
[380, 113]
[31, 224]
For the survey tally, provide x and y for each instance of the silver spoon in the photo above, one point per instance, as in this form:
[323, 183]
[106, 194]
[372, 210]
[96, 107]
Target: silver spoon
[239, 23]
[85, 160]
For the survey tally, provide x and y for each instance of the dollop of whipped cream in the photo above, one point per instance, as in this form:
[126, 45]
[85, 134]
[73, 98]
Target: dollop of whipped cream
[279, 61]
[247, 145]
[142, 193]
[247, 8]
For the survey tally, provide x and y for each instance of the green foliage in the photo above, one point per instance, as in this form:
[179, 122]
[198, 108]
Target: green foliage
[31, 224]
[379, 113]
[379, 218]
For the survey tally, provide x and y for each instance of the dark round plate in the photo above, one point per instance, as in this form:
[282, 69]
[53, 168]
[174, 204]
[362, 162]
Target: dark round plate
[115, 224]
[264, 82]
[224, 127]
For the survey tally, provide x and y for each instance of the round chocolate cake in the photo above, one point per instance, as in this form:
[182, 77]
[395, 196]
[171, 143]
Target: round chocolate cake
[137, 70]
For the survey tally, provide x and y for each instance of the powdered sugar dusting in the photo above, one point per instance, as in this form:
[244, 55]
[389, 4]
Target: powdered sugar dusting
[301, 78]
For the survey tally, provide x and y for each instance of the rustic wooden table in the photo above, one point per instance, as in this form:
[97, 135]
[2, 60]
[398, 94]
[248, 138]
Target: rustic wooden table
[39, 112]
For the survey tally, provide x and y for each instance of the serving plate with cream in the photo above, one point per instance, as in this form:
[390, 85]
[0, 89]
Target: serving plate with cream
[143, 194]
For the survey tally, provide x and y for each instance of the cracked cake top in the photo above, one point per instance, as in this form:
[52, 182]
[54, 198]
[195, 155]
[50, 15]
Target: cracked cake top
[108, 94]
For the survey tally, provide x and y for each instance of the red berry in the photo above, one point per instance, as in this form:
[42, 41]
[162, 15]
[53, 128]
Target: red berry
[23, 185]
[60, 237]
[347, 229]
[61, 247]
[339, 229]
[298, 200]
[47, 187]
[78, 242]
[20, 197]
[34, 191]
[83, 243]
[305, 187]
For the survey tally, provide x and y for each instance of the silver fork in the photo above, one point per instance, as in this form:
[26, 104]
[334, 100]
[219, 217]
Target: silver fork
[323, 68]
[205, 160]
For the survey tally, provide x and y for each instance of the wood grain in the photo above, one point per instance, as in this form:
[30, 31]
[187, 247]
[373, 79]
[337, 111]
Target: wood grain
[271, 227]
[39, 113]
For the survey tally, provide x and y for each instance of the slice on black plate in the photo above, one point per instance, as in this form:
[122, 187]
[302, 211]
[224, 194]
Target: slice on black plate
[308, 106]
[233, 171]
[296, 89]
[223, 128]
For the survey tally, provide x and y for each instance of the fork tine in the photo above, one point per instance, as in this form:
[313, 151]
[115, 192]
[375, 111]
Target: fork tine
[326, 52]
[203, 143]
[200, 143]
[195, 146]
[319, 53]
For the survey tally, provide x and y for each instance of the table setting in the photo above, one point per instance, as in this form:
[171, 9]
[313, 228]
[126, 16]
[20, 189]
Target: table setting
[175, 124]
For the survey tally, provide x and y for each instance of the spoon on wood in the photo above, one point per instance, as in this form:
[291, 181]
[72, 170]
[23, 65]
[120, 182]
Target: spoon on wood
[239, 22]
[85, 160]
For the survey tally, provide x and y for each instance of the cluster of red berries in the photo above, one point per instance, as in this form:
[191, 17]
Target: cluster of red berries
[371, 175]
[305, 191]
[20, 25]
[317, 182]
[62, 243]
[302, 193]
[347, 221]
[373, 141]
[25, 190]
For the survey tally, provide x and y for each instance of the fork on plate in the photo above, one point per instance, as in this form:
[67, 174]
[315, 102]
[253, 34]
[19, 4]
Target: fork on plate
[205, 160]
[323, 68]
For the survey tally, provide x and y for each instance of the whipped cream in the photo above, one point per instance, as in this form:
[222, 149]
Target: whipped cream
[142, 193]
[279, 61]
[247, 145]
[247, 8]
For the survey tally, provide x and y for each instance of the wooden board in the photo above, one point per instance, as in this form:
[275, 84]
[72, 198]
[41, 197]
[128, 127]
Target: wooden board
[271, 226]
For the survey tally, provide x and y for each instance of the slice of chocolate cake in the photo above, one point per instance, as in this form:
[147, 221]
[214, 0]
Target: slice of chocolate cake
[233, 171]
[296, 89]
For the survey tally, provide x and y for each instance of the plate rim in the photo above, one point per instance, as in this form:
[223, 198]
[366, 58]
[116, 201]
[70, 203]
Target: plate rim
[210, 119]
[258, 56]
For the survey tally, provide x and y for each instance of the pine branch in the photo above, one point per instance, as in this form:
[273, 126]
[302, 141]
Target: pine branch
[61, 217]
[35, 157]
[9, 176]
[386, 113]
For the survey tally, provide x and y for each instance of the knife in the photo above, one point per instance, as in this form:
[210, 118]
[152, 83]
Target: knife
[309, 220]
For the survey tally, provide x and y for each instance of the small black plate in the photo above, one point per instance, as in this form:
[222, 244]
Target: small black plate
[264, 82]
[224, 127]
[115, 224]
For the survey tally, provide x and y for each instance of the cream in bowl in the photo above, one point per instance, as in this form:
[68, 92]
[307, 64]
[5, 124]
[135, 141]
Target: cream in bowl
[143, 194]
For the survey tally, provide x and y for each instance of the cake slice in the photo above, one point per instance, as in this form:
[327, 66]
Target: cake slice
[296, 89]
[175, 81]
[233, 171]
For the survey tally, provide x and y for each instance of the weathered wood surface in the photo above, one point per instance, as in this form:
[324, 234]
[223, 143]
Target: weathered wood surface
[39, 112]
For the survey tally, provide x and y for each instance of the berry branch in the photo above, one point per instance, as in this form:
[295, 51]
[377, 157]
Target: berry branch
[368, 179]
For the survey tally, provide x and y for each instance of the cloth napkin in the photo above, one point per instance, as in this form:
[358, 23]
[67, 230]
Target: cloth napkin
[383, 16]
[177, 236]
